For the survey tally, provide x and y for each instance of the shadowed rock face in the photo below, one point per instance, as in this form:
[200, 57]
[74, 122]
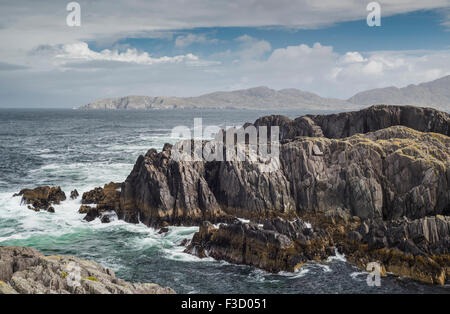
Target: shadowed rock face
[276, 245]
[26, 271]
[161, 189]
[387, 174]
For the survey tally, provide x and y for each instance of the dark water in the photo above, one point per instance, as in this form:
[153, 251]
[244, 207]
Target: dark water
[79, 149]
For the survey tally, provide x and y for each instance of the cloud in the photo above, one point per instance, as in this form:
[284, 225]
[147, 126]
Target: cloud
[107, 21]
[189, 39]
[317, 68]
[123, 70]
[11, 67]
[251, 48]
[80, 51]
[352, 57]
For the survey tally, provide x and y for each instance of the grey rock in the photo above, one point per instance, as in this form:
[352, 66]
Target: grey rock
[26, 271]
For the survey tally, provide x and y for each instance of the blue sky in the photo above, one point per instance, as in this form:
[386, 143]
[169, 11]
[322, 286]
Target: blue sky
[410, 31]
[188, 48]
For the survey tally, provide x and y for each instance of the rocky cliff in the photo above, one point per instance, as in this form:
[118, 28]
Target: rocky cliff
[382, 171]
[26, 271]
[388, 173]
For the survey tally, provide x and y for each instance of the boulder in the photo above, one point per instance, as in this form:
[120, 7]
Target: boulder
[42, 197]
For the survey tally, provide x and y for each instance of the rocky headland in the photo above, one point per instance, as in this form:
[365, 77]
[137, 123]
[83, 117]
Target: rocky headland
[372, 184]
[26, 271]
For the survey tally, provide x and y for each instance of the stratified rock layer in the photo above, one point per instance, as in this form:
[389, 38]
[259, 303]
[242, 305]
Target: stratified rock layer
[385, 165]
[387, 174]
[26, 271]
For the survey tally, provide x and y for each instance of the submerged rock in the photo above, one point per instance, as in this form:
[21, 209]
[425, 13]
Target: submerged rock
[26, 271]
[42, 197]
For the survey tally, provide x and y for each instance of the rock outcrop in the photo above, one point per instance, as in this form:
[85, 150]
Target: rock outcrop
[417, 249]
[387, 166]
[42, 197]
[389, 173]
[276, 245]
[106, 200]
[26, 271]
[371, 119]
[74, 194]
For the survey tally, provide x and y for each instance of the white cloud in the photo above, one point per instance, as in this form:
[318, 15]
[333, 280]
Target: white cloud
[43, 22]
[352, 57]
[34, 32]
[320, 69]
[81, 51]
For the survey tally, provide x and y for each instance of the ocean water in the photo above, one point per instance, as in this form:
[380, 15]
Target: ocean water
[82, 150]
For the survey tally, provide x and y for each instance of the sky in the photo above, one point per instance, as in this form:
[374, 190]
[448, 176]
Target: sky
[193, 47]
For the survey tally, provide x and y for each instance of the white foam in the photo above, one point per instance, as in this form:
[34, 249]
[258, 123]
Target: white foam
[337, 257]
[298, 273]
[356, 274]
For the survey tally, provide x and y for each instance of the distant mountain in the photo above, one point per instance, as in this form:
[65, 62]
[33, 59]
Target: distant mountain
[434, 94]
[253, 98]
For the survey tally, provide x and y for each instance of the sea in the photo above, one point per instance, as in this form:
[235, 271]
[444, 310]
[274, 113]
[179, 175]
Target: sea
[81, 150]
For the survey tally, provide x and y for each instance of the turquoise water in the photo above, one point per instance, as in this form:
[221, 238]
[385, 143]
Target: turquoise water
[82, 150]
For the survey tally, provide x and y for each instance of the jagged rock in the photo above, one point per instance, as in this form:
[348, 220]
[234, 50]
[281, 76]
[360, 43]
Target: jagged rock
[389, 173]
[74, 194]
[26, 271]
[380, 117]
[345, 172]
[84, 209]
[91, 212]
[424, 236]
[278, 245]
[341, 125]
[42, 197]
[106, 198]
[98, 195]
[160, 189]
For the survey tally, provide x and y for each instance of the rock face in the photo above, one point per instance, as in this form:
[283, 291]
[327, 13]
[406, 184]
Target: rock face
[160, 189]
[276, 245]
[42, 197]
[388, 174]
[26, 271]
[371, 119]
[106, 200]
[386, 165]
